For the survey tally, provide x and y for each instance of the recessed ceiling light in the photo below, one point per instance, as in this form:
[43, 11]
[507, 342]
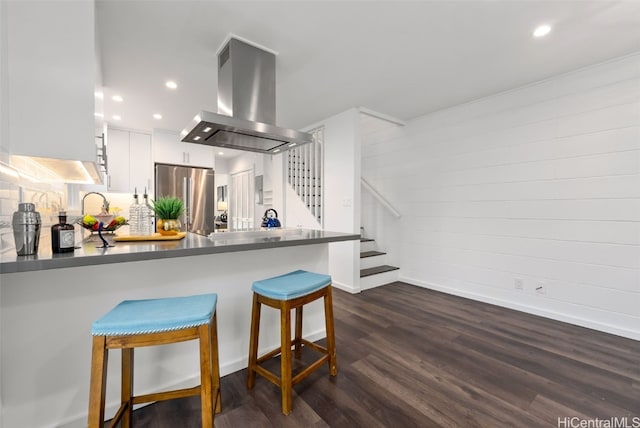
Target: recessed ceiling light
[207, 129]
[116, 117]
[96, 114]
[171, 84]
[221, 153]
[542, 31]
[157, 116]
[117, 98]
[196, 138]
[99, 94]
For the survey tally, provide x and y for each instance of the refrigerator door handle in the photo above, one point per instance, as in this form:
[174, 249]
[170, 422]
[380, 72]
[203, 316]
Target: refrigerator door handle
[185, 192]
[190, 199]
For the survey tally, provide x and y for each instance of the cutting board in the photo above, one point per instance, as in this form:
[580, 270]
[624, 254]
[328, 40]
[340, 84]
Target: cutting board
[154, 237]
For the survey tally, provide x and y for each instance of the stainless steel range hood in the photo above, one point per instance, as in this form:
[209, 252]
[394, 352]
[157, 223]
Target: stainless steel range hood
[246, 105]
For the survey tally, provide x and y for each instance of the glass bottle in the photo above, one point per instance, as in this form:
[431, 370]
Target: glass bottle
[63, 237]
[146, 216]
[134, 215]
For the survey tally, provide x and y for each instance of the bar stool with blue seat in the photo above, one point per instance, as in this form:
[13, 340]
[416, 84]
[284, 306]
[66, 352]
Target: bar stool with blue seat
[136, 323]
[286, 292]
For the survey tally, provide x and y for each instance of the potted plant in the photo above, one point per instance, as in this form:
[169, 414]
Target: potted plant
[168, 210]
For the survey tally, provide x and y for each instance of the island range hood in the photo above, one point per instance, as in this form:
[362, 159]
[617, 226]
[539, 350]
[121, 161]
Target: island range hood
[246, 105]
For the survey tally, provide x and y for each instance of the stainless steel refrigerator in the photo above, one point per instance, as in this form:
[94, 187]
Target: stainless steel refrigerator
[195, 186]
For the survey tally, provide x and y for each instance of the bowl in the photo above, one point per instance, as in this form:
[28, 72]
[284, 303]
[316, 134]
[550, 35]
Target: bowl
[105, 219]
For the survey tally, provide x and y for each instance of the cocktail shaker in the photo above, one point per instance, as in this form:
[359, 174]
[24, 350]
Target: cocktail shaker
[26, 229]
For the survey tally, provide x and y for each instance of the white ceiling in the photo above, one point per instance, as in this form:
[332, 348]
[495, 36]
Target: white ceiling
[403, 59]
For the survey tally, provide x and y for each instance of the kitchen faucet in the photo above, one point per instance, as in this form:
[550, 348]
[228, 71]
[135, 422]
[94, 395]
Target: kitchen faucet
[105, 203]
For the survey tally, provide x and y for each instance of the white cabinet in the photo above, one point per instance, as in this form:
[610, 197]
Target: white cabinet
[141, 172]
[118, 162]
[129, 161]
[167, 148]
[49, 56]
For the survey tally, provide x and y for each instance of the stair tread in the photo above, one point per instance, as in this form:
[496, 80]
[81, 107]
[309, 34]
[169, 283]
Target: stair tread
[377, 269]
[366, 240]
[365, 254]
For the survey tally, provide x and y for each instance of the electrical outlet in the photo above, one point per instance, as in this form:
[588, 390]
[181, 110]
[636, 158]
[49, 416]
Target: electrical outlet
[518, 284]
[541, 288]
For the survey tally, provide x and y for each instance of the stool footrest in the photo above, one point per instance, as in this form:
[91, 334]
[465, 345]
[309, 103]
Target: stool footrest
[116, 419]
[309, 369]
[314, 346]
[167, 395]
[269, 355]
[277, 351]
[271, 377]
[268, 375]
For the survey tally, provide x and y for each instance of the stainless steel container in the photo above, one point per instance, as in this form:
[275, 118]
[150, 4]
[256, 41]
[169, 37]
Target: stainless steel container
[26, 229]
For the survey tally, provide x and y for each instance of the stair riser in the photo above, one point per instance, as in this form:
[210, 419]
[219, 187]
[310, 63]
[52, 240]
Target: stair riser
[369, 262]
[377, 280]
[368, 246]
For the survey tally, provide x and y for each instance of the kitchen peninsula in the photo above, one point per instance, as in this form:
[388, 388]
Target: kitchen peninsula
[49, 302]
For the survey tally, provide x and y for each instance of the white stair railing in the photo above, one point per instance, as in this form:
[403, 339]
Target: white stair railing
[380, 198]
[305, 168]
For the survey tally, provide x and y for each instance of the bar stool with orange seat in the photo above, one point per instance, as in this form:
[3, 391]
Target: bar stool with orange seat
[136, 323]
[286, 292]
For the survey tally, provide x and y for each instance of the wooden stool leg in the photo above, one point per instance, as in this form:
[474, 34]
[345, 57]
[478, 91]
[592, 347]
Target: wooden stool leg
[98, 387]
[298, 339]
[206, 398]
[216, 365]
[285, 357]
[331, 337]
[253, 342]
[126, 392]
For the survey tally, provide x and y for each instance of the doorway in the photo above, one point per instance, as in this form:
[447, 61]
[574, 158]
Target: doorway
[241, 204]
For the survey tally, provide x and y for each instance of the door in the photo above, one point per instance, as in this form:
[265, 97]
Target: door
[241, 206]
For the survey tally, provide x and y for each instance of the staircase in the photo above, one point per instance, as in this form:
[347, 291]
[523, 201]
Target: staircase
[374, 271]
[304, 173]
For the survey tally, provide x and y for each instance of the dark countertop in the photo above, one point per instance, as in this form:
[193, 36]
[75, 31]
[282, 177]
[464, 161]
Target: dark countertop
[191, 245]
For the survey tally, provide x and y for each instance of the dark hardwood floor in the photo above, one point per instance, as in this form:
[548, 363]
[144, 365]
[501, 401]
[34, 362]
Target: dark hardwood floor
[411, 357]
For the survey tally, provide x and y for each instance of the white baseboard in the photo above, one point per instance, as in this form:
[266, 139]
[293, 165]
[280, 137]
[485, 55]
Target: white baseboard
[347, 288]
[558, 316]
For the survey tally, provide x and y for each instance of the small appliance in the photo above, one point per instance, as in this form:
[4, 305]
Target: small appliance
[270, 219]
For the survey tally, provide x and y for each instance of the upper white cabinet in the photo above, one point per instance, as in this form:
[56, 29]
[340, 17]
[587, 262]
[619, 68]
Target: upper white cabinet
[50, 69]
[167, 148]
[129, 161]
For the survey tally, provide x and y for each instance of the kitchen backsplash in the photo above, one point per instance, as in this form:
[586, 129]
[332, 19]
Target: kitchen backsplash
[14, 189]
[118, 203]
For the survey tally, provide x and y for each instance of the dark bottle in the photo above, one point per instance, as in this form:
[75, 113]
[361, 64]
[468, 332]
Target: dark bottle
[62, 235]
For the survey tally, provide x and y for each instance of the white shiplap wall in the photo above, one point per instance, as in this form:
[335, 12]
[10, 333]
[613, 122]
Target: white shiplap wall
[540, 183]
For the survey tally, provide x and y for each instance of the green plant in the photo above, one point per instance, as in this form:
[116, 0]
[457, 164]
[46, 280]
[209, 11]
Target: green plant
[168, 207]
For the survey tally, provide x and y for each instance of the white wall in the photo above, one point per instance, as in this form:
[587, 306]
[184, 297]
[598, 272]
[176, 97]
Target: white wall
[4, 144]
[4, 86]
[342, 195]
[297, 213]
[540, 184]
